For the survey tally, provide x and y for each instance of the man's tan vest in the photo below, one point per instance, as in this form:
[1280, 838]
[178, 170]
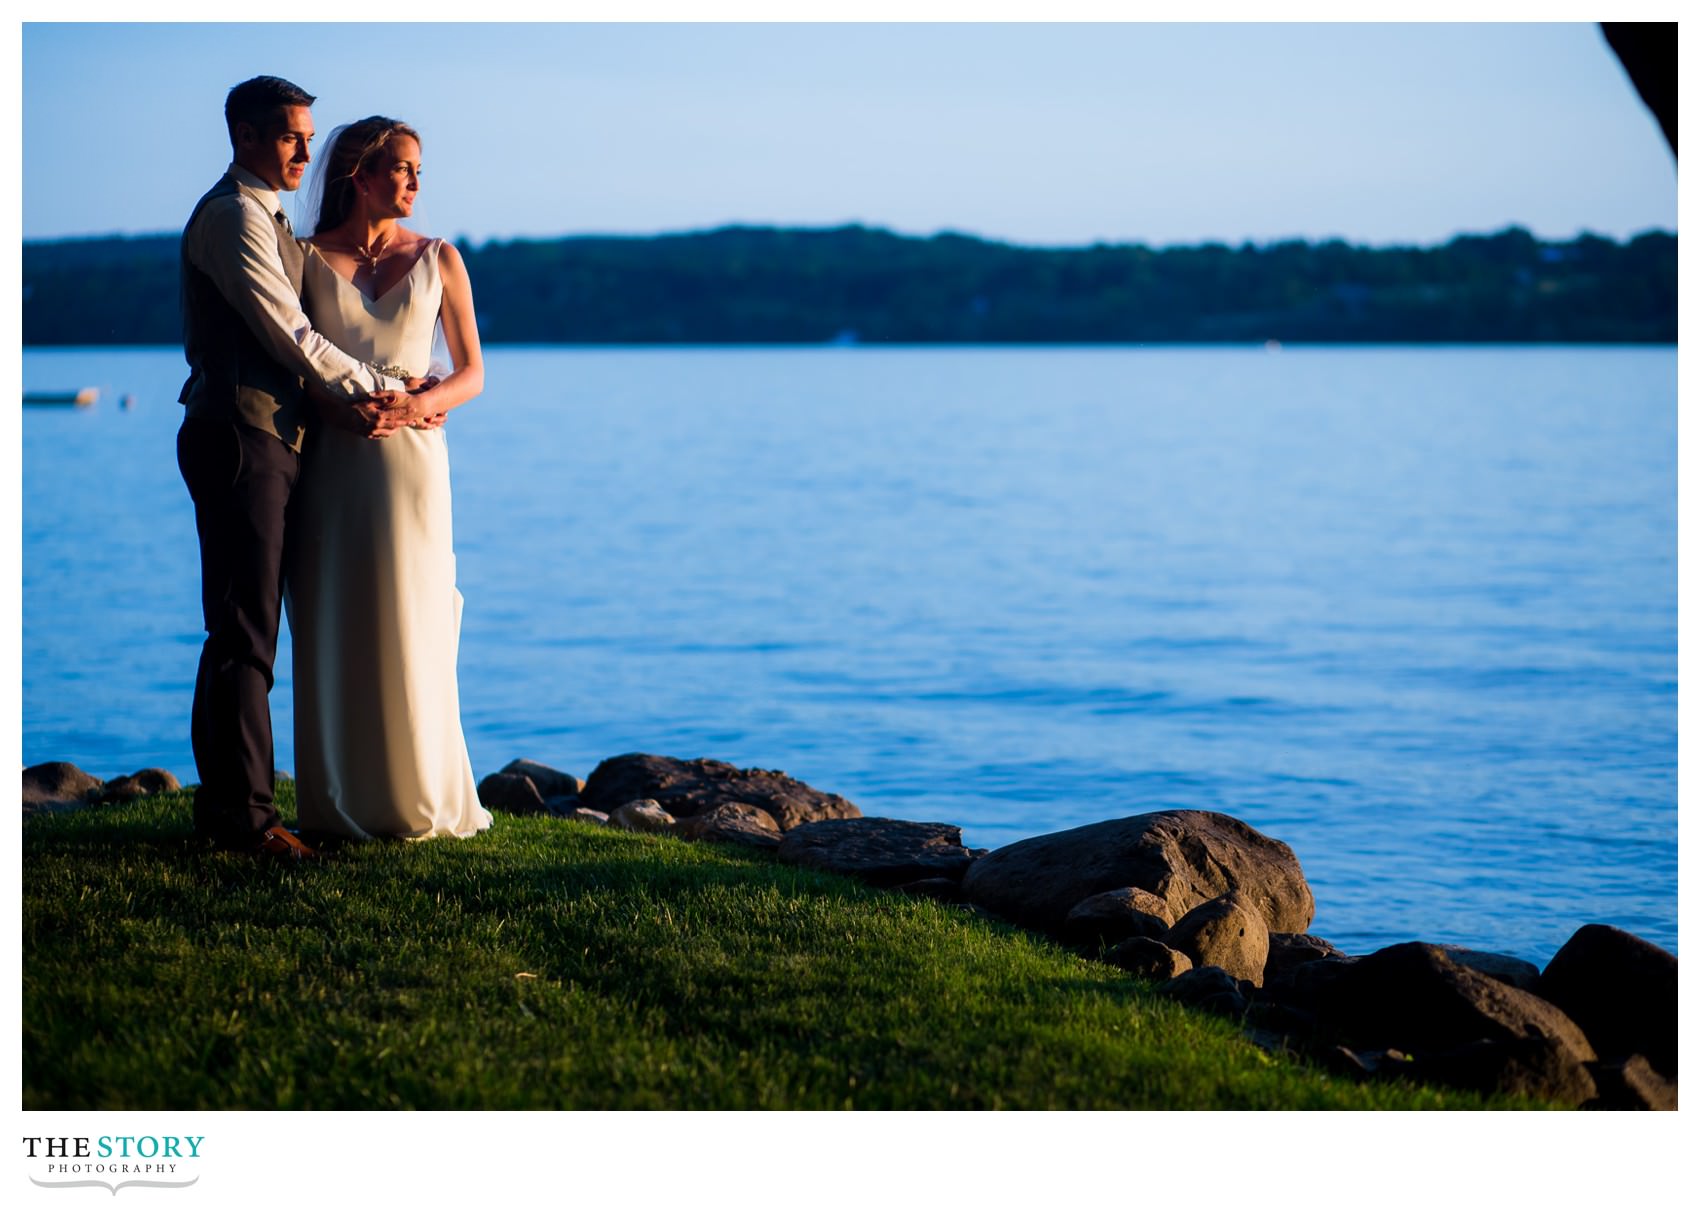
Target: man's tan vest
[231, 376]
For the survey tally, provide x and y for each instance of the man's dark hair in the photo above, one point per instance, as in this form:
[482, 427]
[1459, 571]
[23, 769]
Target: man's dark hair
[254, 101]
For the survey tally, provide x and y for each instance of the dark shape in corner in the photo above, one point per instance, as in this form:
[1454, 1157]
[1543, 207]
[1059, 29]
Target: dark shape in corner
[1647, 50]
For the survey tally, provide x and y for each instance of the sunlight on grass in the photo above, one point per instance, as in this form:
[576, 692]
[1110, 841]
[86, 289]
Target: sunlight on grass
[555, 964]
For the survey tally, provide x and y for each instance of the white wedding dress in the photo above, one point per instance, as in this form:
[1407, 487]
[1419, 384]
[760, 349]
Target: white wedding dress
[374, 614]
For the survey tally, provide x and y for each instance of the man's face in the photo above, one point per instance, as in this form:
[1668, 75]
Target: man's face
[276, 152]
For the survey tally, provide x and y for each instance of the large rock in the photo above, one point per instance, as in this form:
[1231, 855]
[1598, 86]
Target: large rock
[1525, 1065]
[882, 851]
[1224, 933]
[744, 824]
[1121, 913]
[1620, 989]
[511, 793]
[689, 788]
[149, 781]
[1288, 951]
[1463, 1027]
[1185, 857]
[1276, 1019]
[1209, 989]
[1507, 968]
[1303, 986]
[548, 781]
[1631, 1085]
[642, 816]
[1148, 958]
[52, 785]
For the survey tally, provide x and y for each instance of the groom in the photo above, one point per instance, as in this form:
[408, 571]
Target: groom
[249, 347]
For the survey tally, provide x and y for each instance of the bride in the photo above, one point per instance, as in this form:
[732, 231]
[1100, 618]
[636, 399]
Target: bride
[373, 610]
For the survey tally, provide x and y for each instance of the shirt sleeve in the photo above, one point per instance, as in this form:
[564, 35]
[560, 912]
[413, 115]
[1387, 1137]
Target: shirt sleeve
[235, 244]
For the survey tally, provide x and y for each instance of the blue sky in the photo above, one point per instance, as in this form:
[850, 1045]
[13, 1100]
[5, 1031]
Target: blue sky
[1053, 134]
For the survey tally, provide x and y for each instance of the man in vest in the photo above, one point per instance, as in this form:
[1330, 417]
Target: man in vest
[249, 348]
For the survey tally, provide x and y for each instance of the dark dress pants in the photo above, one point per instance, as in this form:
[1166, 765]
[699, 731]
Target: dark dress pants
[241, 480]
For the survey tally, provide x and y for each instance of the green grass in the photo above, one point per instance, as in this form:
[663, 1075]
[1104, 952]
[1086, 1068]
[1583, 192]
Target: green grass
[555, 964]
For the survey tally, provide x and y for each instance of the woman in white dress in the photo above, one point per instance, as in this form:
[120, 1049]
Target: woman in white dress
[374, 614]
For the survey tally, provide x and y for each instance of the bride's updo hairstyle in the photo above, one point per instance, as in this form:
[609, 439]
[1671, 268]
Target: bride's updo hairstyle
[355, 150]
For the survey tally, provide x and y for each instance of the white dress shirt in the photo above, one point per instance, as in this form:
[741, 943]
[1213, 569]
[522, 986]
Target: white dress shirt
[234, 242]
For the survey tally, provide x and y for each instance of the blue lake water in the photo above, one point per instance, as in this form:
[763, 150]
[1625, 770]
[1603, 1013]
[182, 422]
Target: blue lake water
[1412, 611]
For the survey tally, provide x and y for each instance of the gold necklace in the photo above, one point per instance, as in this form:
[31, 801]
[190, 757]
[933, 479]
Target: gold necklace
[371, 257]
[362, 253]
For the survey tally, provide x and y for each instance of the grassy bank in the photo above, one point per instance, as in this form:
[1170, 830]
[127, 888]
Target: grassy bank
[553, 964]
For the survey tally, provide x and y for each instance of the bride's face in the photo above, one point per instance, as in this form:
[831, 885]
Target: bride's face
[393, 182]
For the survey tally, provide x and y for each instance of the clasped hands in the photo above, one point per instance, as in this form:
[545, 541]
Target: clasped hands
[383, 412]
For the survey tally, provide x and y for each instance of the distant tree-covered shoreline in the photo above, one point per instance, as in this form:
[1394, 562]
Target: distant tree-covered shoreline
[762, 285]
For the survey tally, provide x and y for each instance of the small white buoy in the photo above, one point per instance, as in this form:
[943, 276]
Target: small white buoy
[79, 399]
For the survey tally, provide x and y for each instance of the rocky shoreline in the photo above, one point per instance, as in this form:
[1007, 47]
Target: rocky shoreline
[1214, 911]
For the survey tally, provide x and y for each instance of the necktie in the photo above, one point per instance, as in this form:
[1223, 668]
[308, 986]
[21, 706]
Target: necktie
[283, 222]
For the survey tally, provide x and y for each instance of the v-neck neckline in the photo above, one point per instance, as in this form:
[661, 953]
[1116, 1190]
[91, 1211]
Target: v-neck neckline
[387, 291]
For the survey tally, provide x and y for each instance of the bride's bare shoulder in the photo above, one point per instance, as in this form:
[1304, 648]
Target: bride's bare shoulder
[448, 256]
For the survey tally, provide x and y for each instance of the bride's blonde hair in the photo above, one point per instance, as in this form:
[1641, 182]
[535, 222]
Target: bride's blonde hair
[350, 155]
